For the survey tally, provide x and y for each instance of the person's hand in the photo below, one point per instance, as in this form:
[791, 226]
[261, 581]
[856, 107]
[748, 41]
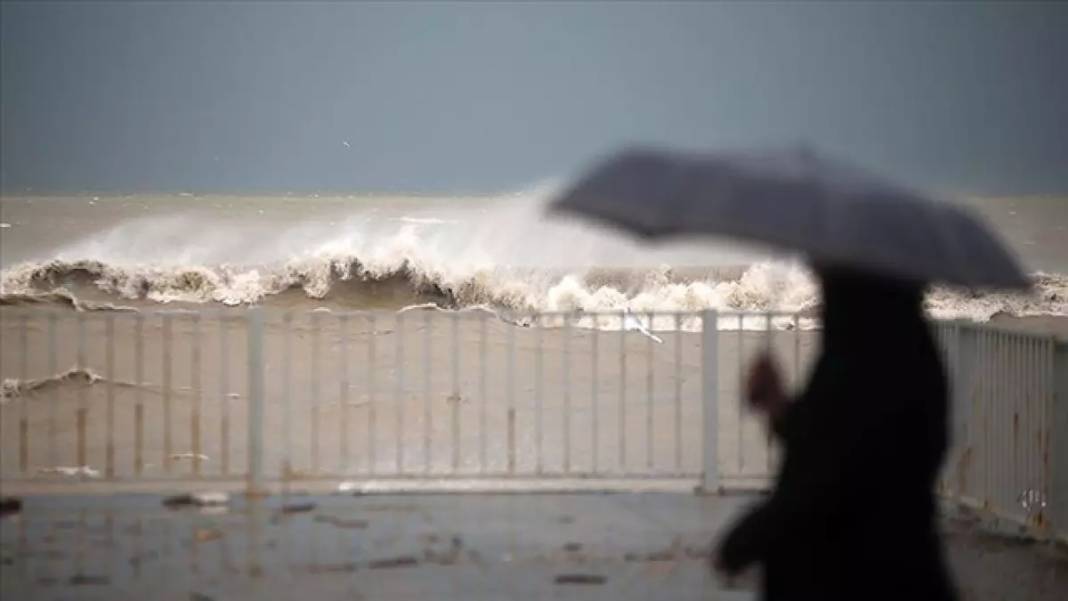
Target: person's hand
[719, 568]
[764, 388]
[722, 572]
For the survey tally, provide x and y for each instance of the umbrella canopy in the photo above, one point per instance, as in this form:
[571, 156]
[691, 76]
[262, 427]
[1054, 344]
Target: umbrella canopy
[831, 212]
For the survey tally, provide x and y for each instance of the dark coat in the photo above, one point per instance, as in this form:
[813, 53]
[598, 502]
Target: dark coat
[852, 515]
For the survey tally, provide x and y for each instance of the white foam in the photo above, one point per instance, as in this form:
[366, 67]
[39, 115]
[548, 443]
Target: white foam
[81, 471]
[425, 220]
[762, 287]
[505, 258]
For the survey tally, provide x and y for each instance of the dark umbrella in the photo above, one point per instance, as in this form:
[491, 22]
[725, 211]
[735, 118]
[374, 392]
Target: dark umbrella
[833, 213]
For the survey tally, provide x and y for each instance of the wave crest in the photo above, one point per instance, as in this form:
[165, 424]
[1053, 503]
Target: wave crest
[354, 281]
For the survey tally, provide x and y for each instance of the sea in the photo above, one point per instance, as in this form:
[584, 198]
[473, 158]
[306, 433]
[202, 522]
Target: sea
[101, 252]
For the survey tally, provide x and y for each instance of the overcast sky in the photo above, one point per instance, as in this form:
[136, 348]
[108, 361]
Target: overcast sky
[482, 97]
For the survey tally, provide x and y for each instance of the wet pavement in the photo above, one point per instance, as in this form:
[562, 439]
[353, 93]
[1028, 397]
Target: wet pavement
[457, 546]
[424, 546]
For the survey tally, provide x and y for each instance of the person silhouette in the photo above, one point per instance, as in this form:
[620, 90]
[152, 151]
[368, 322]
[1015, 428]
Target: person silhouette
[852, 514]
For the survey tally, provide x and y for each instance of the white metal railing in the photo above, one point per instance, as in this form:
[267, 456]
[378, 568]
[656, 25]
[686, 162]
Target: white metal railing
[273, 395]
[606, 396]
[259, 397]
[111, 414]
[1008, 409]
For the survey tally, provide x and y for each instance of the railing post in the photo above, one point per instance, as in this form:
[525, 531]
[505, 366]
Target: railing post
[963, 410]
[710, 396]
[952, 366]
[254, 478]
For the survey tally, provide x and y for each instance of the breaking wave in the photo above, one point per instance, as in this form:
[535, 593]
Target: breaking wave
[59, 296]
[349, 281]
[501, 255]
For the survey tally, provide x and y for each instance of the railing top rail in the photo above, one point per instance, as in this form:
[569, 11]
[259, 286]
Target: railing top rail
[237, 311]
[965, 324]
[527, 317]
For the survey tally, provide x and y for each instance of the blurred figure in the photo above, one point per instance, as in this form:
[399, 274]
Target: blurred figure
[853, 512]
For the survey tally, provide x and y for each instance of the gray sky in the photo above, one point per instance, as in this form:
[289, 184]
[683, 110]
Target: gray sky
[486, 97]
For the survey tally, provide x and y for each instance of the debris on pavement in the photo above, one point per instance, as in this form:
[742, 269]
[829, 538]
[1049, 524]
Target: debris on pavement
[10, 505]
[197, 499]
[189, 457]
[203, 535]
[88, 580]
[351, 524]
[579, 579]
[298, 507]
[393, 562]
